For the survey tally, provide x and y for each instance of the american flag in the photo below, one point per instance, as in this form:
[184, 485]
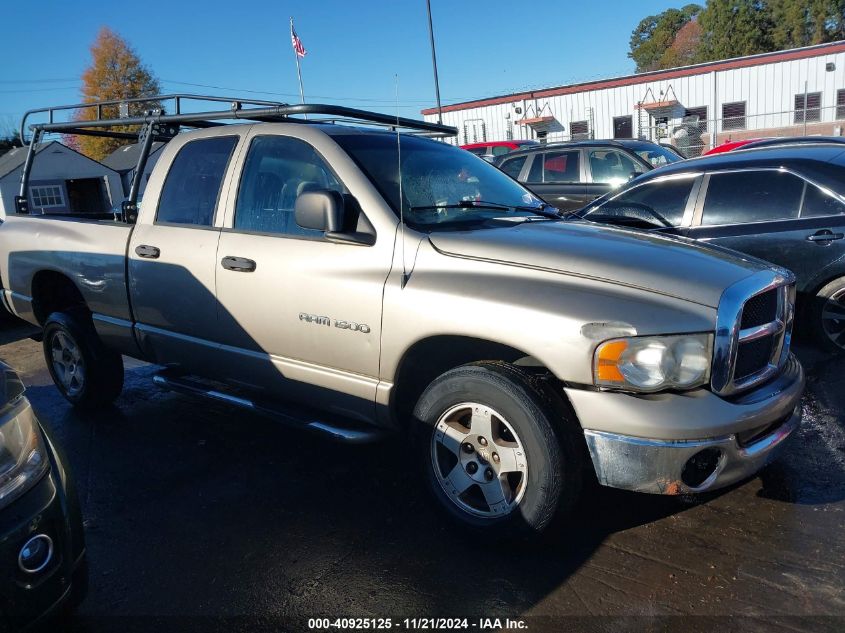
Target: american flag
[298, 48]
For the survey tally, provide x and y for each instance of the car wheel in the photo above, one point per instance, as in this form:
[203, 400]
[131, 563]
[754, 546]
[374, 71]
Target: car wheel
[86, 373]
[828, 315]
[500, 454]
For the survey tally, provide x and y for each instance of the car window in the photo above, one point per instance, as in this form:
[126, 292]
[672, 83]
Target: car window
[501, 150]
[478, 151]
[192, 187]
[662, 199]
[535, 174]
[752, 196]
[820, 203]
[277, 171]
[613, 167]
[561, 167]
[513, 166]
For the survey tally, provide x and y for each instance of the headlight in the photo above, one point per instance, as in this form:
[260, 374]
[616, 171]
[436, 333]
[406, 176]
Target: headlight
[23, 458]
[654, 363]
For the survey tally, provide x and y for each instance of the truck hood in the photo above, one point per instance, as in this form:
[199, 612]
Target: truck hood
[672, 266]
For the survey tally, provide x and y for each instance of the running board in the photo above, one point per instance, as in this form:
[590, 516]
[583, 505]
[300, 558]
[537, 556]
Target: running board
[294, 416]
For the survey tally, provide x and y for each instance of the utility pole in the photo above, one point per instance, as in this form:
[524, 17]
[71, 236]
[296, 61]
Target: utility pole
[434, 62]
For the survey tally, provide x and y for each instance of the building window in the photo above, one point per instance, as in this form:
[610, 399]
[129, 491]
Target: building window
[579, 130]
[47, 196]
[733, 115]
[812, 108]
[697, 116]
[840, 104]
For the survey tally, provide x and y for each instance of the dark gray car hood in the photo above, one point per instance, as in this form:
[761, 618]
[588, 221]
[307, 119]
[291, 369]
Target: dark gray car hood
[672, 266]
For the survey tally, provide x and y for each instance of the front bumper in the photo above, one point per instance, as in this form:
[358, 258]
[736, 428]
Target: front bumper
[738, 436]
[50, 508]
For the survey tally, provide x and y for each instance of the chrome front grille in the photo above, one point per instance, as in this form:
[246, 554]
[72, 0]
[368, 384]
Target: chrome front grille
[753, 331]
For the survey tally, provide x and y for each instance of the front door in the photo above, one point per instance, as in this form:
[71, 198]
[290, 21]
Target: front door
[776, 216]
[300, 316]
[608, 169]
[172, 259]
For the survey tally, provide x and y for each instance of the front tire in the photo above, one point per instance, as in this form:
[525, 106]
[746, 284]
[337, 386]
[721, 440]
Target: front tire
[86, 373]
[827, 314]
[501, 454]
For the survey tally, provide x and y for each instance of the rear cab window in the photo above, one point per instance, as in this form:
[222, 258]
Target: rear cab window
[192, 187]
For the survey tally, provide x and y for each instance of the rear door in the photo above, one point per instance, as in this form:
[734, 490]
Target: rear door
[557, 177]
[608, 169]
[172, 255]
[775, 215]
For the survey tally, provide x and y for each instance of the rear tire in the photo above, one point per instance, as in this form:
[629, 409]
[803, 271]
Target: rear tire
[827, 316]
[501, 453]
[86, 373]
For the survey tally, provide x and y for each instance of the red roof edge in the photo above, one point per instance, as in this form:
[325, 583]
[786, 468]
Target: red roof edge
[657, 75]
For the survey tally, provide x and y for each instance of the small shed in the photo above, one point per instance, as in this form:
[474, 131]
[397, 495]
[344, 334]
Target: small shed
[62, 181]
[124, 160]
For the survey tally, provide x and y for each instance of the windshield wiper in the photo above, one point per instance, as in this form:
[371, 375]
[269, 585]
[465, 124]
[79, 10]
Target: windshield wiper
[541, 210]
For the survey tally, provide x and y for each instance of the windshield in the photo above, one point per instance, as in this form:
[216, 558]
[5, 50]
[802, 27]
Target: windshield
[441, 184]
[656, 155]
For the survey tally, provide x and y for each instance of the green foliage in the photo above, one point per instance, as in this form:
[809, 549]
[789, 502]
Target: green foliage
[655, 34]
[733, 28]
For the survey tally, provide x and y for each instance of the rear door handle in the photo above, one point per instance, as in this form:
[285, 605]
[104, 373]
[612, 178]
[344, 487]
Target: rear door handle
[238, 264]
[147, 252]
[825, 235]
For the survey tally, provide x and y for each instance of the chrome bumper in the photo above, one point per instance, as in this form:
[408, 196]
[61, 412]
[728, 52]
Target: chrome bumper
[764, 418]
[657, 466]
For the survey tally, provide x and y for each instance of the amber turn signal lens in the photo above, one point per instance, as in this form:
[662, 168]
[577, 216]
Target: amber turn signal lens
[607, 361]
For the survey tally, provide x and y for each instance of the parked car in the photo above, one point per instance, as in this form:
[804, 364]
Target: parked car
[751, 143]
[729, 146]
[784, 204]
[492, 150]
[569, 175]
[294, 268]
[42, 548]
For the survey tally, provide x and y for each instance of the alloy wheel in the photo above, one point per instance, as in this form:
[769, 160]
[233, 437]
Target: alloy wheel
[479, 460]
[833, 318]
[68, 364]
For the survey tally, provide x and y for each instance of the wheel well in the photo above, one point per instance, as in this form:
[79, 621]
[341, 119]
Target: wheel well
[431, 357]
[53, 292]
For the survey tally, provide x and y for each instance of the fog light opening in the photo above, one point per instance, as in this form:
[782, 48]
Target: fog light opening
[701, 467]
[36, 554]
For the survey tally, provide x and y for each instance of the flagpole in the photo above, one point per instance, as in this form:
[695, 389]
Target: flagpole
[298, 69]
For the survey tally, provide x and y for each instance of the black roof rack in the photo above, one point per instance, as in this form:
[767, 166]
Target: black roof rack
[159, 118]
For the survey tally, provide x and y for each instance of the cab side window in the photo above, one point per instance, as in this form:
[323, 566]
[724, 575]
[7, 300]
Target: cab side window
[279, 169]
[752, 196]
[192, 187]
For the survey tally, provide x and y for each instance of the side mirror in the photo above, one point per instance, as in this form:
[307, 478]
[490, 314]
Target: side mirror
[321, 210]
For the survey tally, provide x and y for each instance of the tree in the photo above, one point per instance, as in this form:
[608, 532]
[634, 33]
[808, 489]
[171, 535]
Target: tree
[733, 28]
[116, 72]
[806, 22]
[684, 48]
[655, 34]
[8, 136]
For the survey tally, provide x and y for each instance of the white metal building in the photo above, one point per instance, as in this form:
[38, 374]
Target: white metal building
[792, 92]
[62, 181]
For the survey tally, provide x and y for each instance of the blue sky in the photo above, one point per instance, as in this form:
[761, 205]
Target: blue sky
[484, 47]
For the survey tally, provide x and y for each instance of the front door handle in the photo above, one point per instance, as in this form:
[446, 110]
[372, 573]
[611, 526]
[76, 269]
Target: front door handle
[825, 235]
[238, 264]
[147, 252]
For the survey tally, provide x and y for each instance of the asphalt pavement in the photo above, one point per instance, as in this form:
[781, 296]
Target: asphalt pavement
[202, 517]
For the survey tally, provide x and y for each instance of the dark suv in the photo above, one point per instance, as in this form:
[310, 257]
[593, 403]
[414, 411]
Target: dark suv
[569, 175]
[784, 204]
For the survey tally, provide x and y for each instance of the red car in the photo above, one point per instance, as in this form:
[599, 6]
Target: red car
[491, 150]
[731, 145]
